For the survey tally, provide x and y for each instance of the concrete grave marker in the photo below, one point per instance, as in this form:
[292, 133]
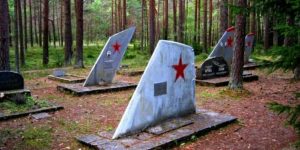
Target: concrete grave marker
[59, 73]
[12, 87]
[110, 58]
[166, 89]
[101, 76]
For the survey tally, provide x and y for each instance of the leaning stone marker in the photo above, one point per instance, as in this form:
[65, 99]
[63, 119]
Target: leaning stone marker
[162, 109]
[100, 78]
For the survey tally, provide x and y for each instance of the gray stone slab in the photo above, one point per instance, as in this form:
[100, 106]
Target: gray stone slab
[68, 78]
[223, 81]
[168, 126]
[203, 121]
[79, 90]
[41, 116]
[89, 138]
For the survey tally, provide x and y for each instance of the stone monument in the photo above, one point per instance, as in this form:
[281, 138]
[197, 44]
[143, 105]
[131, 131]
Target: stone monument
[101, 76]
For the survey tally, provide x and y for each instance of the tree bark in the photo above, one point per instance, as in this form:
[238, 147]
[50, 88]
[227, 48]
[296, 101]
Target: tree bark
[30, 23]
[266, 32]
[204, 37]
[53, 25]
[79, 34]
[210, 23]
[223, 16]
[196, 21]
[46, 33]
[16, 34]
[35, 10]
[143, 17]
[175, 19]
[68, 33]
[22, 51]
[290, 38]
[4, 35]
[151, 25]
[124, 22]
[275, 33]
[181, 21]
[25, 25]
[236, 78]
[112, 17]
[252, 18]
[166, 20]
[40, 23]
[61, 23]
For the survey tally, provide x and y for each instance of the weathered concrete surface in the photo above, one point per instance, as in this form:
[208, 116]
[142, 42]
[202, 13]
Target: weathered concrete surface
[68, 78]
[202, 122]
[166, 89]
[79, 90]
[39, 116]
[17, 115]
[223, 81]
[109, 59]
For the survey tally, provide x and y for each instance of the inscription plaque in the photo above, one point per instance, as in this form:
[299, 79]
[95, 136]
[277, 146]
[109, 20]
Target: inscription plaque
[160, 88]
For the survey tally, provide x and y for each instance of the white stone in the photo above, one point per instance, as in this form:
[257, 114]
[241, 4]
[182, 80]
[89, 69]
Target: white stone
[109, 59]
[159, 94]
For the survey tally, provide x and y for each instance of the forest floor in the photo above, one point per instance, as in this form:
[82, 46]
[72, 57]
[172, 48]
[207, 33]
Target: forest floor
[257, 127]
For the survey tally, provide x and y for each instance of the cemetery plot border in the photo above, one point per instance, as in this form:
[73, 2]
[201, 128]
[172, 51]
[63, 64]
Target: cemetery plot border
[201, 122]
[224, 81]
[68, 78]
[52, 108]
[130, 73]
[79, 90]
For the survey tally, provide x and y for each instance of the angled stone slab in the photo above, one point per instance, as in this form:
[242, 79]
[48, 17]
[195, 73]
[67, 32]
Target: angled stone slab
[79, 90]
[202, 122]
[224, 47]
[224, 81]
[110, 58]
[67, 78]
[166, 89]
[249, 44]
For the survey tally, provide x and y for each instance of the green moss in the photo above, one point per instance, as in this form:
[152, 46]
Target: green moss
[36, 138]
[9, 107]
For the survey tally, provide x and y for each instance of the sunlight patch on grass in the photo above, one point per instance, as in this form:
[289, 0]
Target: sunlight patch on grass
[235, 94]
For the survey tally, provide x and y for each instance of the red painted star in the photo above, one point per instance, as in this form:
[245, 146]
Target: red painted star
[229, 41]
[179, 69]
[116, 47]
[249, 44]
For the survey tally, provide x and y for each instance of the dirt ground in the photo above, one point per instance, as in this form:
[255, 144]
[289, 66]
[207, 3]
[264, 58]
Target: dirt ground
[257, 127]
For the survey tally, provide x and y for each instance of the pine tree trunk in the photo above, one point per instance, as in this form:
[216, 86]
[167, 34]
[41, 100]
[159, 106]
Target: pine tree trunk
[157, 22]
[61, 23]
[252, 18]
[181, 21]
[53, 25]
[199, 23]
[210, 23]
[25, 25]
[204, 37]
[22, 51]
[46, 33]
[196, 22]
[166, 19]
[40, 23]
[236, 79]
[275, 33]
[79, 34]
[151, 25]
[4, 36]
[9, 28]
[112, 17]
[30, 23]
[266, 32]
[223, 16]
[230, 2]
[16, 35]
[175, 19]
[142, 33]
[124, 22]
[35, 10]
[68, 33]
[290, 38]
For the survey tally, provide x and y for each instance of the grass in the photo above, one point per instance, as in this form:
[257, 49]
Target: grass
[9, 107]
[36, 138]
[235, 94]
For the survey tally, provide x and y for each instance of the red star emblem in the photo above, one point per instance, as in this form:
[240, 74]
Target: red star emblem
[249, 44]
[179, 69]
[116, 47]
[229, 41]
